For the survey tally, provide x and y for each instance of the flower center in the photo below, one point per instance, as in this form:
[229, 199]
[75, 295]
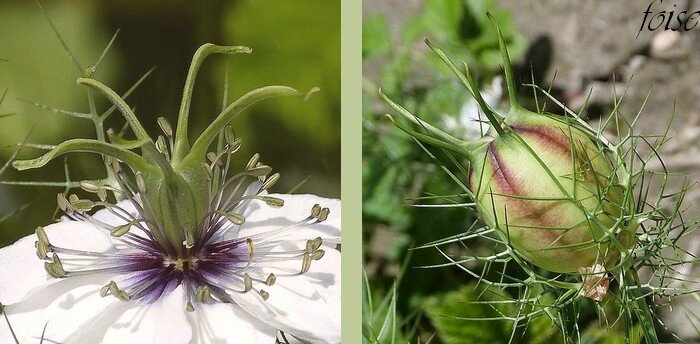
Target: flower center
[214, 263]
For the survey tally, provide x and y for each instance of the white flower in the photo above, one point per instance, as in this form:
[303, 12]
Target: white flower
[241, 286]
[194, 252]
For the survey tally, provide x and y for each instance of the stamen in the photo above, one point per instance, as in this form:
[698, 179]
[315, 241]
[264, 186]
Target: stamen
[234, 218]
[89, 186]
[214, 159]
[203, 294]
[230, 136]
[189, 240]
[140, 183]
[272, 201]
[162, 146]
[252, 162]
[247, 283]
[165, 126]
[55, 268]
[271, 279]
[270, 181]
[63, 203]
[120, 230]
[315, 210]
[41, 235]
[260, 171]
[42, 249]
[109, 289]
[207, 170]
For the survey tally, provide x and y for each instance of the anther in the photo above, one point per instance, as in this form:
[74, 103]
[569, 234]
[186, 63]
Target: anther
[207, 170]
[89, 186]
[235, 218]
[189, 240]
[229, 135]
[165, 126]
[317, 243]
[109, 289]
[323, 215]
[315, 210]
[317, 255]
[214, 158]
[271, 279]
[190, 307]
[120, 230]
[161, 145]
[114, 163]
[83, 205]
[203, 294]
[265, 295]
[260, 171]
[62, 202]
[234, 146]
[102, 194]
[55, 268]
[253, 161]
[42, 249]
[272, 201]
[270, 181]
[247, 283]
[89, 71]
[41, 235]
[140, 183]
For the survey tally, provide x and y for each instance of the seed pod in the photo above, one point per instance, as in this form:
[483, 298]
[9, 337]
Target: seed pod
[544, 181]
[552, 190]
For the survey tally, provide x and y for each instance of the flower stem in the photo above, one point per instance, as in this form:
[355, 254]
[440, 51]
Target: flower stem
[641, 309]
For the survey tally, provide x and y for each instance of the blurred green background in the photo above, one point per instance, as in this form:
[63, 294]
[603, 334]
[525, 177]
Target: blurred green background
[294, 43]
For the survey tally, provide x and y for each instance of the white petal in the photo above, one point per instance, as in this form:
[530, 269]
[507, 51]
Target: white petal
[305, 306]
[62, 307]
[66, 318]
[228, 323]
[261, 218]
[22, 272]
[161, 322]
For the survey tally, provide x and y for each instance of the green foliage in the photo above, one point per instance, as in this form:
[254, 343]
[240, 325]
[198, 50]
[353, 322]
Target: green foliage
[473, 314]
[379, 325]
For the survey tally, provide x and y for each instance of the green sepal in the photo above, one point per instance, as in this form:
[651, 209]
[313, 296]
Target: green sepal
[86, 145]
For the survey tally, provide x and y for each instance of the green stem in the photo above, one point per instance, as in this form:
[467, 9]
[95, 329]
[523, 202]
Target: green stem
[182, 145]
[641, 309]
